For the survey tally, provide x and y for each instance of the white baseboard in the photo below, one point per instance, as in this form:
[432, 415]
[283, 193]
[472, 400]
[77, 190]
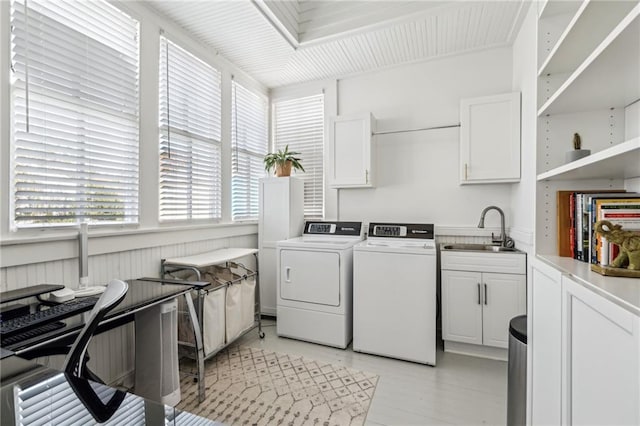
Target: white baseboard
[490, 352]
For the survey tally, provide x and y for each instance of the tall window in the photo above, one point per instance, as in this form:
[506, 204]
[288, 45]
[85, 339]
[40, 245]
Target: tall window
[249, 145]
[75, 109]
[190, 134]
[299, 123]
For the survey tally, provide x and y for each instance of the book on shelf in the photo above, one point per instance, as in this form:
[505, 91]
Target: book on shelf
[591, 217]
[619, 211]
[572, 235]
[565, 223]
[582, 199]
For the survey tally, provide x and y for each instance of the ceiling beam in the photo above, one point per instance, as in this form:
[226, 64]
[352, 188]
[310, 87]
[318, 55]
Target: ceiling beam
[271, 17]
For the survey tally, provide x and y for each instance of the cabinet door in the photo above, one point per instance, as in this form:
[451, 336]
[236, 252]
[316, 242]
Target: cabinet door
[503, 297]
[461, 307]
[601, 360]
[267, 262]
[350, 153]
[544, 344]
[275, 199]
[490, 139]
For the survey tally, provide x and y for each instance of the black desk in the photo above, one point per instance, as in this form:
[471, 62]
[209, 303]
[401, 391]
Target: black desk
[30, 392]
[142, 294]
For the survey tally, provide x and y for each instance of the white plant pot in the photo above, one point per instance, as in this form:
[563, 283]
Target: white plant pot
[576, 154]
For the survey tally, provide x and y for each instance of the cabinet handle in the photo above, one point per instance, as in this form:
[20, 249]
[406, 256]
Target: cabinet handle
[366, 179]
[479, 303]
[287, 274]
[485, 294]
[465, 171]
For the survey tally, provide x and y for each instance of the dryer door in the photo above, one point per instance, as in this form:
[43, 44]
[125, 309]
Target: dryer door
[310, 276]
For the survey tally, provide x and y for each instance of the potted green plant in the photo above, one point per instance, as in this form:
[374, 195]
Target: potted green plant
[282, 161]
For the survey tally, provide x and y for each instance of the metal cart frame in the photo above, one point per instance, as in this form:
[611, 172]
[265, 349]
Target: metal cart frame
[195, 263]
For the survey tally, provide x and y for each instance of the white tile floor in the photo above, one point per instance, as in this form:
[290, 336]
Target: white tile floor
[460, 390]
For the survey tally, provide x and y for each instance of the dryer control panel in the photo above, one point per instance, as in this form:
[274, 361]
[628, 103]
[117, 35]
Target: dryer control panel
[333, 228]
[423, 231]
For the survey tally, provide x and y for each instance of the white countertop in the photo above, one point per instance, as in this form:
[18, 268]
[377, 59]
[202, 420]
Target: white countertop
[624, 292]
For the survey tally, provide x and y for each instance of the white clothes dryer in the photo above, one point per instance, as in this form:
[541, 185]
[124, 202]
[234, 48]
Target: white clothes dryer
[315, 283]
[394, 292]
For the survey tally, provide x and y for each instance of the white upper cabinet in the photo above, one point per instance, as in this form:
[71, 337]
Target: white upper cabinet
[490, 139]
[351, 155]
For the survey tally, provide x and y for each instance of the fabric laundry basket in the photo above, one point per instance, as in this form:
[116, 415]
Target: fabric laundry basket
[248, 290]
[213, 311]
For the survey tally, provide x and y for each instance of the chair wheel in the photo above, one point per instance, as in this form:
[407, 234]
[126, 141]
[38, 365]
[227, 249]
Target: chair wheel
[261, 334]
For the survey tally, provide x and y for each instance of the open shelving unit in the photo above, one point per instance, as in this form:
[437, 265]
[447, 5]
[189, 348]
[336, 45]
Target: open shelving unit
[607, 78]
[621, 161]
[589, 78]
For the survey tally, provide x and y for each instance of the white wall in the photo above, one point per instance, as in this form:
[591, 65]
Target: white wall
[417, 172]
[523, 194]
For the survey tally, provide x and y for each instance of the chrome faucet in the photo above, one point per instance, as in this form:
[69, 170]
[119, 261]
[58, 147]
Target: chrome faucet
[503, 236]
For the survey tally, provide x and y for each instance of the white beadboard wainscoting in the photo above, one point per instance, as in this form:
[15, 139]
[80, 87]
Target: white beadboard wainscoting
[112, 356]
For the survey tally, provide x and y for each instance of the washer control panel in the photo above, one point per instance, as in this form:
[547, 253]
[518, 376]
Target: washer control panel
[424, 231]
[333, 228]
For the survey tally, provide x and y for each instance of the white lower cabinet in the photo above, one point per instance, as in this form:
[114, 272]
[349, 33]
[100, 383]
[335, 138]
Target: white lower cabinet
[583, 354]
[601, 360]
[544, 345]
[477, 306]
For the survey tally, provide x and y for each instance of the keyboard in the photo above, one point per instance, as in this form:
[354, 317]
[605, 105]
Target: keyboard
[55, 313]
[34, 332]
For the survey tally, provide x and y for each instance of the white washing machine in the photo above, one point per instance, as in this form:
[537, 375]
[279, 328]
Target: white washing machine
[394, 292]
[315, 283]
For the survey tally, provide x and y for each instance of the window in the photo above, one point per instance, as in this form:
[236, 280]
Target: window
[75, 109]
[190, 134]
[249, 145]
[299, 123]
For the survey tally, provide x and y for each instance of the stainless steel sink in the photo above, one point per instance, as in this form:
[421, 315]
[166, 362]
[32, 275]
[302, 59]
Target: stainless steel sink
[478, 247]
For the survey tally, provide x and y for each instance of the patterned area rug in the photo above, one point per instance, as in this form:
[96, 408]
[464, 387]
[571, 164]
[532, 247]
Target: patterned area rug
[251, 386]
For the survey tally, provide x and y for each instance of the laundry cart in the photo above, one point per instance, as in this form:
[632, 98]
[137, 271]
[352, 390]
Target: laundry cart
[226, 309]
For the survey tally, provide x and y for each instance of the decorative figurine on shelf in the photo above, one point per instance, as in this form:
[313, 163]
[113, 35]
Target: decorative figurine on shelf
[577, 152]
[628, 241]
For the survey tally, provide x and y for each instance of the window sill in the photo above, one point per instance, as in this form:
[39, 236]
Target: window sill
[27, 249]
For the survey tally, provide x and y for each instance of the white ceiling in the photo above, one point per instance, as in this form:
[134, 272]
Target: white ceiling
[285, 42]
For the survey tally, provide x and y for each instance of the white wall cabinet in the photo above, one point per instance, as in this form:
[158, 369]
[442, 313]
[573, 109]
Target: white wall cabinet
[281, 217]
[490, 139]
[351, 153]
[478, 304]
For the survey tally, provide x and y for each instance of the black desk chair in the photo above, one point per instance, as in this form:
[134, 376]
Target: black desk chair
[75, 363]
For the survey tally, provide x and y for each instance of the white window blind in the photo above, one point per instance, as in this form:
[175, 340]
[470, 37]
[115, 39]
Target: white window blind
[75, 109]
[190, 134]
[249, 145]
[53, 401]
[299, 123]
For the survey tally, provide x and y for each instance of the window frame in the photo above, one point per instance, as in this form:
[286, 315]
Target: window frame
[11, 224]
[217, 197]
[247, 151]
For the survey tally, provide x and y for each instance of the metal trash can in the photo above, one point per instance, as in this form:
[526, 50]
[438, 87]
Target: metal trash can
[517, 379]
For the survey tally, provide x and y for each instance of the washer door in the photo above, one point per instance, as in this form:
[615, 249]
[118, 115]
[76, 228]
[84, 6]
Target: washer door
[310, 276]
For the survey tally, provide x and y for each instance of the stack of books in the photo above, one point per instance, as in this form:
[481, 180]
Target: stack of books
[578, 211]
